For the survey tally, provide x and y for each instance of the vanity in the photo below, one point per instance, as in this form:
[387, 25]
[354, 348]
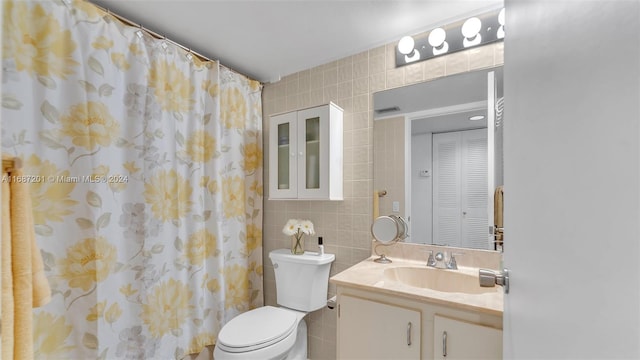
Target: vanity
[406, 310]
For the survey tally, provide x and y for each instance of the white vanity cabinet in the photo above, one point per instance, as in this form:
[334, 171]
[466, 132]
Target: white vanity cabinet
[305, 154]
[455, 339]
[373, 324]
[375, 330]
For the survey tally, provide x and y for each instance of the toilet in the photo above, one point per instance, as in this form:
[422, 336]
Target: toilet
[279, 332]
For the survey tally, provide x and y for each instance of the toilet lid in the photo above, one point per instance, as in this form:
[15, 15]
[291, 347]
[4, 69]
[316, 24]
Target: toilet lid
[257, 328]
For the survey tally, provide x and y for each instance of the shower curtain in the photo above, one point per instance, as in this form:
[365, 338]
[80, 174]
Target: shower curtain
[145, 169]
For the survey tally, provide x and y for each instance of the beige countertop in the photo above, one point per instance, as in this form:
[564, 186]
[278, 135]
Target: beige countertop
[369, 275]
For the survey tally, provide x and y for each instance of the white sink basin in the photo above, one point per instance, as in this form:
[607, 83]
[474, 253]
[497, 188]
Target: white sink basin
[451, 281]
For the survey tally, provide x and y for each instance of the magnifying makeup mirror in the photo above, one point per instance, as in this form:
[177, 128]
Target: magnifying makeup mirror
[387, 229]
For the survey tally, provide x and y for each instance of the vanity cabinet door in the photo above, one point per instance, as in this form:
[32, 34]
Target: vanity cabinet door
[454, 339]
[305, 154]
[374, 330]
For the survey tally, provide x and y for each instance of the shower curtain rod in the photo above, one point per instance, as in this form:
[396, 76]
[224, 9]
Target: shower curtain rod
[161, 37]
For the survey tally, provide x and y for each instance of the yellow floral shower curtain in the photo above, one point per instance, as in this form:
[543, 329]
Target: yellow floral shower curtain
[145, 169]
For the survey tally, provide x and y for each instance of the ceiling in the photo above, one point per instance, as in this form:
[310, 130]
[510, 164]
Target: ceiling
[269, 39]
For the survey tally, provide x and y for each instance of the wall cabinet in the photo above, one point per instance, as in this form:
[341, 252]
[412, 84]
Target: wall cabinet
[375, 325]
[375, 330]
[305, 154]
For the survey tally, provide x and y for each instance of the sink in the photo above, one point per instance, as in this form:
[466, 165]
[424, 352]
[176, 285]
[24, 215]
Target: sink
[452, 281]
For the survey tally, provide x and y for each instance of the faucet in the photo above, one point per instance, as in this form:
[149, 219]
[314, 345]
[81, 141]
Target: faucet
[431, 262]
[438, 261]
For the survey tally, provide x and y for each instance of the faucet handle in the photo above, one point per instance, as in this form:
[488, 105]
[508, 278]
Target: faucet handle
[452, 263]
[431, 261]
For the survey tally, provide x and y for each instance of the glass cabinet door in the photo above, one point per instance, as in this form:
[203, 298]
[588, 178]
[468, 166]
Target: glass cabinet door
[312, 153]
[284, 163]
[283, 159]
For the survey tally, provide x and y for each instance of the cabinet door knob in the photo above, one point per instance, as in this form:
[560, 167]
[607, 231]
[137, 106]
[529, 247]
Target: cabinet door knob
[300, 153]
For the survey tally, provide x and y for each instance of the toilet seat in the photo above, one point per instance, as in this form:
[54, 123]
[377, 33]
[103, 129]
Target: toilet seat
[257, 329]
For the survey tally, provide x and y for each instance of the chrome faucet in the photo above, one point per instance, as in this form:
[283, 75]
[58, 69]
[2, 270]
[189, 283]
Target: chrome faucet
[438, 261]
[431, 261]
[452, 263]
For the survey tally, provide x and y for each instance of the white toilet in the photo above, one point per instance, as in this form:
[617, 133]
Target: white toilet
[279, 332]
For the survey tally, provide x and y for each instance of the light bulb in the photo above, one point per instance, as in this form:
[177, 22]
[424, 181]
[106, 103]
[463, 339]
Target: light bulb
[437, 41]
[501, 20]
[437, 36]
[471, 27]
[471, 32]
[406, 45]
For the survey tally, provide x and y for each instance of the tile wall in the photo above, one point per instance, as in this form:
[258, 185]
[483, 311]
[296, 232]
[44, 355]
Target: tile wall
[388, 174]
[344, 225]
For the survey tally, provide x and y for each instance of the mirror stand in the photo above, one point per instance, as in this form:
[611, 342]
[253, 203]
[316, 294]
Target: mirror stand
[383, 259]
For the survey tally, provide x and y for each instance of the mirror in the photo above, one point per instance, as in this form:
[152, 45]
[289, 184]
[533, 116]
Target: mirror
[387, 230]
[439, 161]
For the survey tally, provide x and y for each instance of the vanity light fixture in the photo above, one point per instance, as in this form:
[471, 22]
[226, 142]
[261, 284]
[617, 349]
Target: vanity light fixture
[477, 30]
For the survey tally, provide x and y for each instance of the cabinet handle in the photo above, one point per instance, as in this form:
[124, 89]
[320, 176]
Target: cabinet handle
[409, 333]
[444, 344]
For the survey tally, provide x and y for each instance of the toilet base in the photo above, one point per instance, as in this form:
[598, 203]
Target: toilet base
[299, 349]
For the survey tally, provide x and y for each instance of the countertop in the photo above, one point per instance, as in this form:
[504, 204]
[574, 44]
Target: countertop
[369, 275]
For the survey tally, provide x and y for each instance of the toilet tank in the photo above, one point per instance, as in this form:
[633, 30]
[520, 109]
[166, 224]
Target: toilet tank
[301, 280]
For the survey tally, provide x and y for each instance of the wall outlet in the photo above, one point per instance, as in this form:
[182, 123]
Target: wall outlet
[395, 206]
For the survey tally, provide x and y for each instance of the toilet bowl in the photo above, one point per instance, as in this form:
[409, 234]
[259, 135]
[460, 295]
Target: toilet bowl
[279, 332]
[264, 333]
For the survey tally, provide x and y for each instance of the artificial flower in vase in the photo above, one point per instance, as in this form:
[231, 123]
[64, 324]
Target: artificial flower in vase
[297, 229]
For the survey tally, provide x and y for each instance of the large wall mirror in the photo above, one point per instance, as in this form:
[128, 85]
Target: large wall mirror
[438, 154]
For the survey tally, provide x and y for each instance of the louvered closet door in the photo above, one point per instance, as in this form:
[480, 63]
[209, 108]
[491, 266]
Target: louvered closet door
[474, 189]
[460, 189]
[446, 188]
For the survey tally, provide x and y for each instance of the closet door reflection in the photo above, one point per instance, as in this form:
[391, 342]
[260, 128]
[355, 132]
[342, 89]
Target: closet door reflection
[460, 188]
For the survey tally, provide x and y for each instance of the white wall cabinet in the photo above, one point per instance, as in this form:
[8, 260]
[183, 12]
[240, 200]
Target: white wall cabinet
[374, 330]
[374, 325]
[454, 339]
[306, 154]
